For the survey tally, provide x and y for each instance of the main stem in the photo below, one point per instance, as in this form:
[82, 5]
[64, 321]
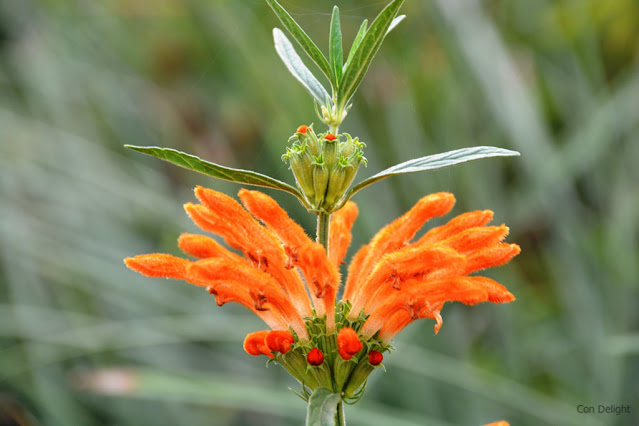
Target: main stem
[323, 224]
[341, 420]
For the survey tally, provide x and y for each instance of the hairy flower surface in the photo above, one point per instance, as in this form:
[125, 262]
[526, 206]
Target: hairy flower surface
[291, 283]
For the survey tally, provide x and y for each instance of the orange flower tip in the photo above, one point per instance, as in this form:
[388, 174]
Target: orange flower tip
[158, 265]
[279, 341]
[302, 129]
[330, 137]
[254, 344]
[375, 358]
[500, 423]
[348, 343]
[315, 357]
[439, 320]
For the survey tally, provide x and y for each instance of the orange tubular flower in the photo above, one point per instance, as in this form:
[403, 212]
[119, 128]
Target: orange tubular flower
[291, 283]
[279, 341]
[348, 344]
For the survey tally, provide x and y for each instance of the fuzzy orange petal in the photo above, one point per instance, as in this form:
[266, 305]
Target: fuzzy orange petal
[418, 293]
[348, 343]
[456, 225]
[262, 288]
[398, 233]
[275, 217]
[279, 341]
[159, 265]
[476, 238]
[254, 344]
[395, 268]
[247, 235]
[225, 292]
[202, 247]
[340, 232]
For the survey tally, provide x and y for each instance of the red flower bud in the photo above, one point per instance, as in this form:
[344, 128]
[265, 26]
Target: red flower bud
[302, 129]
[348, 344]
[375, 358]
[315, 357]
[279, 341]
[330, 137]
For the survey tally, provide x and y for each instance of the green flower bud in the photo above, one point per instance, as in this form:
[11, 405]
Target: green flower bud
[320, 180]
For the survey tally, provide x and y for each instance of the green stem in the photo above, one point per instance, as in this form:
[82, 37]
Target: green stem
[323, 225]
[341, 420]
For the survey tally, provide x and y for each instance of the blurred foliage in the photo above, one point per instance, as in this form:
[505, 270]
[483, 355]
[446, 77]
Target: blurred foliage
[84, 341]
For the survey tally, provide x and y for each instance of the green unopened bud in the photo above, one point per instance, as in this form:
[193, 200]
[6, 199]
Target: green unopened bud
[330, 145]
[301, 164]
[335, 188]
[358, 377]
[312, 142]
[320, 180]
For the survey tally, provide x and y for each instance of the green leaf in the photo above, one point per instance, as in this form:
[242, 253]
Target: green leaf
[358, 39]
[303, 39]
[395, 22]
[196, 164]
[322, 408]
[335, 50]
[295, 65]
[361, 59]
[432, 162]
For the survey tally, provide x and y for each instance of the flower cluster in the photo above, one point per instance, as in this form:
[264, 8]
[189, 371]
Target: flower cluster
[324, 165]
[291, 282]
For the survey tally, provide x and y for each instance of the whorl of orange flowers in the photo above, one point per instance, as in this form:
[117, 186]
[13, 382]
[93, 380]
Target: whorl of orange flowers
[285, 277]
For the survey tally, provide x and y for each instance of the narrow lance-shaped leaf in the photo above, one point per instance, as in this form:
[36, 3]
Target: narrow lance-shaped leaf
[361, 60]
[335, 50]
[358, 39]
[196, 164]
[432, 162]
[294, 63]
[395, 22]
[303, 39]
[322, 408]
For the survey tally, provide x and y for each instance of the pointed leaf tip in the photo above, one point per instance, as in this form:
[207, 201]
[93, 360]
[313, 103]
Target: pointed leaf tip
[433, 162]
[294, 63]
[217, 171]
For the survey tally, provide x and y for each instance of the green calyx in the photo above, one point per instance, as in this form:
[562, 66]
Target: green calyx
[345, 377]
[324, 166]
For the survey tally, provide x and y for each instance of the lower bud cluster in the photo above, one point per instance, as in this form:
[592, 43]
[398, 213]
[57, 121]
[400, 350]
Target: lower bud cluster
[341, 360]
[324, 165]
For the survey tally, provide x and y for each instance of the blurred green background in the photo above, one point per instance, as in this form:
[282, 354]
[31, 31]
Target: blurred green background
[84, 341]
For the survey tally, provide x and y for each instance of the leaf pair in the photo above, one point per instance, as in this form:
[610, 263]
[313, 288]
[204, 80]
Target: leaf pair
[344, 78]
[247, 177]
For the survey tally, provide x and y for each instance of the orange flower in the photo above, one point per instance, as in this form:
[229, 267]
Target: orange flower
[291, 283]
[348, 344]
[279, 341]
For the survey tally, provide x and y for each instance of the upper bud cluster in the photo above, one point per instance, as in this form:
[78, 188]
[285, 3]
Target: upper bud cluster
[324, 165]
